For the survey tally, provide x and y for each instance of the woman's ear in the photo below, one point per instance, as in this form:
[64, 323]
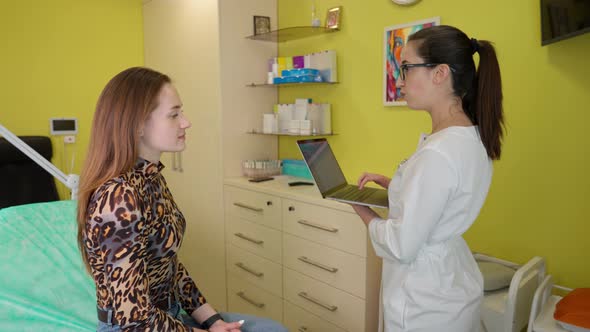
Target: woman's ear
[442, 72]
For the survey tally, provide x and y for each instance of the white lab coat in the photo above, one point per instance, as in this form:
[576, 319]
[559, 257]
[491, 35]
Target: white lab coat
[430, 281]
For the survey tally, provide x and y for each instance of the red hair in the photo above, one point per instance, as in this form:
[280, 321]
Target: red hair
[123, 106]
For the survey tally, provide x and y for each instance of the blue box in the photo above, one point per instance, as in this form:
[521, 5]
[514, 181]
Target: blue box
[297, 79]
[296, 167]
[309, 78]
[300, 72]
[278, 80]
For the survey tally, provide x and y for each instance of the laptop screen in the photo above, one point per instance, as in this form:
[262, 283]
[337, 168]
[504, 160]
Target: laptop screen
[322, 163]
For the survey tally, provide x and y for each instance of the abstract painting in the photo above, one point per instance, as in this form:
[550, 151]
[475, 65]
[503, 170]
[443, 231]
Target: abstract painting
[395, 38]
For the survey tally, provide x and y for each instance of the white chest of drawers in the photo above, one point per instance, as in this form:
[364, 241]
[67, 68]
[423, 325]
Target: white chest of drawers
[299, 259]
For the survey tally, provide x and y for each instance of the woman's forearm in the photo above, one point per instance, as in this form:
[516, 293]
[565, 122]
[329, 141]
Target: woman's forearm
[365, 213]
[384, 182]
[203, 312]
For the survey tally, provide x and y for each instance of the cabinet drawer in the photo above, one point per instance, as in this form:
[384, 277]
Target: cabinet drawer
[256, 207]
[299, 320]
[246, 298]
[339, 308]
[337, 268]
[257, 270]
[260, 240]
[333, 228]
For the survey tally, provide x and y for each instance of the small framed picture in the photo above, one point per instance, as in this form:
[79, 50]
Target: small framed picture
[261, 24]
[333, 18]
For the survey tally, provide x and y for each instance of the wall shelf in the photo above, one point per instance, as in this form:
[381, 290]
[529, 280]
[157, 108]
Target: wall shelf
[257, 85]
[259, 132]
[292, 33]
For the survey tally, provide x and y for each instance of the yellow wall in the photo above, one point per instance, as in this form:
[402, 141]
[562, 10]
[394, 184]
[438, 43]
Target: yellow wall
[538, 200]
[57, 56]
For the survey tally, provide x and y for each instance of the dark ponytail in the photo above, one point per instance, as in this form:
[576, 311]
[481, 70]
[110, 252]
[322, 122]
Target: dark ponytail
[480, 89]
[489, 111]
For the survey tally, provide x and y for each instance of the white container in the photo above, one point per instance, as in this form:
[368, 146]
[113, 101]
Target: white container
[269, 123]
[301, 107]
[305, 124]
[284, 118]
[321, 118]
[305, 127]
[326, 127]
[314, 114]
[294, 126]
[270, 77]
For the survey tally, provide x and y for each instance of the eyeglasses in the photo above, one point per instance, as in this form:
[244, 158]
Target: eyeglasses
[404, 68]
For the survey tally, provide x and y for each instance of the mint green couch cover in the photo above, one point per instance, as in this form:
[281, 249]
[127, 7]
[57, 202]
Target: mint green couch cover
[43, 284]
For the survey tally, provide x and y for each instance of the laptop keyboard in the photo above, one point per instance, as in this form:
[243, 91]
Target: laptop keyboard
[354, 194]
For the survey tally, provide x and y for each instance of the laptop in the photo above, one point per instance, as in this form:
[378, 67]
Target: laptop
[331, 181]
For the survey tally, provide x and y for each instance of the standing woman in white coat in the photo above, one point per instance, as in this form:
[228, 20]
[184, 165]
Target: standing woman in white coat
[430, 281]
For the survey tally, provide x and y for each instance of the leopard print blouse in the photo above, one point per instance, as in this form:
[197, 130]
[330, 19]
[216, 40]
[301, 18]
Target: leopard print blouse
[132, 235]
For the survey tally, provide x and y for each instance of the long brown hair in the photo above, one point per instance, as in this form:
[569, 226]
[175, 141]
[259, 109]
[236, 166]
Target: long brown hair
[123, 106]
[480, 89]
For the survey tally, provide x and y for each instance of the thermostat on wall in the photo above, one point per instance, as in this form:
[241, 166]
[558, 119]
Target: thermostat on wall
[63, 126]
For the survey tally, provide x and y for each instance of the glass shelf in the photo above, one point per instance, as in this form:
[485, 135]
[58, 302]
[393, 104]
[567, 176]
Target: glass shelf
[256, 85]
[259, 132]
[292, 33]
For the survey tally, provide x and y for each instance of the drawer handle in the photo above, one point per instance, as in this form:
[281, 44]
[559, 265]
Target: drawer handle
[242, 205]
[324, 228]
[316, 264]
[318, 302]
[247, 269]
[302, 329]
[249, 300]
[242, 236]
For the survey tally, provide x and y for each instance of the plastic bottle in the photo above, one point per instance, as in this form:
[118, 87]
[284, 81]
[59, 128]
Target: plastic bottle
[315, 21]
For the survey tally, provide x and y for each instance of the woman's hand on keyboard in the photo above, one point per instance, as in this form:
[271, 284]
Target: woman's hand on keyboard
[379, 179]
